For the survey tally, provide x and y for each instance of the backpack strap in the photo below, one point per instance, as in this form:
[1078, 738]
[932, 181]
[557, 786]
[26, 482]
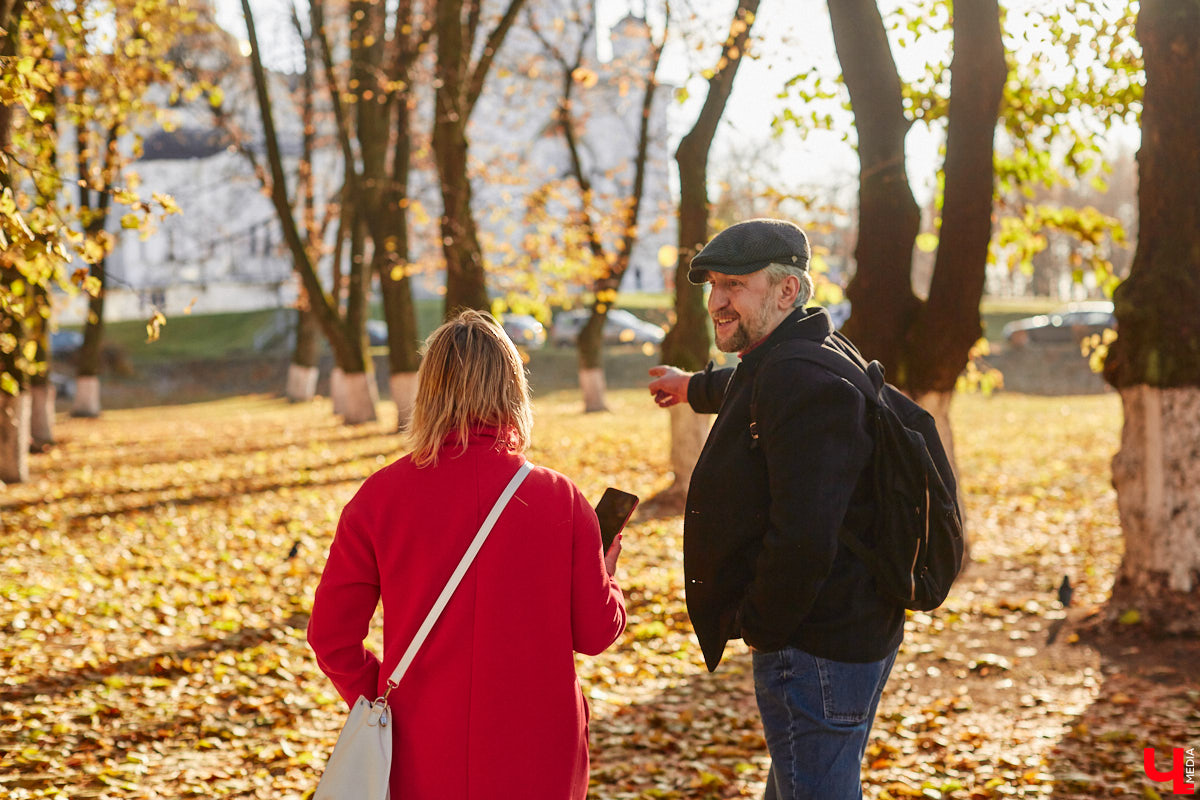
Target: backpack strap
[836, 354]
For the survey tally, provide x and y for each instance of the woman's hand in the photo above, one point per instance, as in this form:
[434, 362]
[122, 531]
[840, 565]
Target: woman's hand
[610, 558]
[669, 386]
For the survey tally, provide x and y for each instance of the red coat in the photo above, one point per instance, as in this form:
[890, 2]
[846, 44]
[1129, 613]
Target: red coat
[491, 706]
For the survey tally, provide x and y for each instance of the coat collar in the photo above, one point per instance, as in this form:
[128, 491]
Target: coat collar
[812, 323]
[489, 435]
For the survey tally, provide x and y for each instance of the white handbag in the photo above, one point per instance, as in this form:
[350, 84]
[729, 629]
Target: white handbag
[361, 761]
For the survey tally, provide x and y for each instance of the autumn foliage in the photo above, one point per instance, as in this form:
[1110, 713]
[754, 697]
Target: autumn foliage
[157, 575]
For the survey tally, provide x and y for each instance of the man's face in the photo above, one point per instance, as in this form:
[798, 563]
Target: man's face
[744, 308]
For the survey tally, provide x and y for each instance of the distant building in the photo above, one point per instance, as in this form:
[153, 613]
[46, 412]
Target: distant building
[226, 251]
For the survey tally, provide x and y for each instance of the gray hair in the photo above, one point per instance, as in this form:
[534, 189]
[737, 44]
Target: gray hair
[777, 272]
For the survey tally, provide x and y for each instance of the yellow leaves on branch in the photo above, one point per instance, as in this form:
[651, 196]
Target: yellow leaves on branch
[587, 78]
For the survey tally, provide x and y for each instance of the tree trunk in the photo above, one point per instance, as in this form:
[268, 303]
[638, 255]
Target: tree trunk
[87, 397]
[302, 383]
[949, 323]
[337, 390]
[591, 360]
[466, 281]
[1155, 361]
[14, 437]
[403, 388]
[359, 396]
[883, 306]
[591, 383]
[395, 286]
[303, 371]
[88, 361]
[689, 431]
[41, 414]
[459, 83]
[689, 341]
[1157, 477]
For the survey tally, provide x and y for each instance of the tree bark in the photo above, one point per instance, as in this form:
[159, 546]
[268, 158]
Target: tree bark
[14, 408]
[459, 84]
[1156, 307]
[14, 437]
[949, 324]
[1155, 361]
[41, 415]
[883, 306]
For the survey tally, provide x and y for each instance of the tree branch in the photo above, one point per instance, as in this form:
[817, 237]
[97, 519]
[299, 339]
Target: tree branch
[490, 48]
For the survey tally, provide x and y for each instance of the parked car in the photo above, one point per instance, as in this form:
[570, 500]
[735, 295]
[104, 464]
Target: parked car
[620, 327]
[376, 333]
[1070, 324]
[65, 343]
[524, 330]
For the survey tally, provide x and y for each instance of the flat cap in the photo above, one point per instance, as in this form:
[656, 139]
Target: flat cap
[750, 246]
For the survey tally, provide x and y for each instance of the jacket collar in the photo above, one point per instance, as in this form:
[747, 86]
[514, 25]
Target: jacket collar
[492, 435]
[813, 324]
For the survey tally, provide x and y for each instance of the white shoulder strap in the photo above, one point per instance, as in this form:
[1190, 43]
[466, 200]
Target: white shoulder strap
[457, 575]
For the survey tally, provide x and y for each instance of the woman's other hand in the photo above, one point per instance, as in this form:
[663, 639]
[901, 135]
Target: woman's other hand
[610, 558]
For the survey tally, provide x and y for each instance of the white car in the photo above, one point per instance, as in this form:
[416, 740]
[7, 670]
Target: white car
[620, 327]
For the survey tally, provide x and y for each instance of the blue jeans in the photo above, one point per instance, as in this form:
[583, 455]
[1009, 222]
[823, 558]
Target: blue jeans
[816, 716]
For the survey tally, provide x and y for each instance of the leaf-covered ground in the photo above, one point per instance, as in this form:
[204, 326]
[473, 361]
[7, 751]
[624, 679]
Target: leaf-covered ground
[157, 572]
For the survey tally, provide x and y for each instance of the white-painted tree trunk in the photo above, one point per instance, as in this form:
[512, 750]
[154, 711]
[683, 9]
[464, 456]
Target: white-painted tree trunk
[403, 388]
[938, 406]
[301, 383]
[41, 414]
[689, 430]
[1157, 477]
[359, 396]
[87, 396]
[591, 384]
[337, 390]
[14, 437]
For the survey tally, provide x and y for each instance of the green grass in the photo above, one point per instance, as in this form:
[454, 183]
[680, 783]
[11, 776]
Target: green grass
[191, 336]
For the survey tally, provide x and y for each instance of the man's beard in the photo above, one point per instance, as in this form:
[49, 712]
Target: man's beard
[744, 336]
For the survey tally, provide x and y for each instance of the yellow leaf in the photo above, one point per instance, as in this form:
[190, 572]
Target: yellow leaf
[927, 242]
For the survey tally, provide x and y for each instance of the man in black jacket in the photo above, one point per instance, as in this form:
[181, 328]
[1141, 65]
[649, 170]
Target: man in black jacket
[762, 559]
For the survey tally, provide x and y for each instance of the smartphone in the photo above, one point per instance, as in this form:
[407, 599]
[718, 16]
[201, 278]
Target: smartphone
[614, 510]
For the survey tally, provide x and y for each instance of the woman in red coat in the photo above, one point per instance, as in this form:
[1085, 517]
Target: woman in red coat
[491, 706]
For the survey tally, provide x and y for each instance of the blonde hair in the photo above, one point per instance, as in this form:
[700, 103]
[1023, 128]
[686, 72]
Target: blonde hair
[470, 374]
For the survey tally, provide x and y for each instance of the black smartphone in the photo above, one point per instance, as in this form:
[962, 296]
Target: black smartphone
[614, 510]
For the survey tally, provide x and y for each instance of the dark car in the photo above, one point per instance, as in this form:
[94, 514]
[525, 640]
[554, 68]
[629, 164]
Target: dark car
[1070, 324]
[65, 343]
[620, 327]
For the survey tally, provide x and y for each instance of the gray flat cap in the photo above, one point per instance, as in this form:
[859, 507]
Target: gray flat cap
[750, 246]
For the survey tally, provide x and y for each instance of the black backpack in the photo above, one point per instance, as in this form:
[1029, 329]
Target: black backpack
[916, 547]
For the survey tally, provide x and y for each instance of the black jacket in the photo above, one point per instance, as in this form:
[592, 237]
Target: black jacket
[762, 560]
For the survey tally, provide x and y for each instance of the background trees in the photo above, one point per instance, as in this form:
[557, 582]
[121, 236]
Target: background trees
[52, 56]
